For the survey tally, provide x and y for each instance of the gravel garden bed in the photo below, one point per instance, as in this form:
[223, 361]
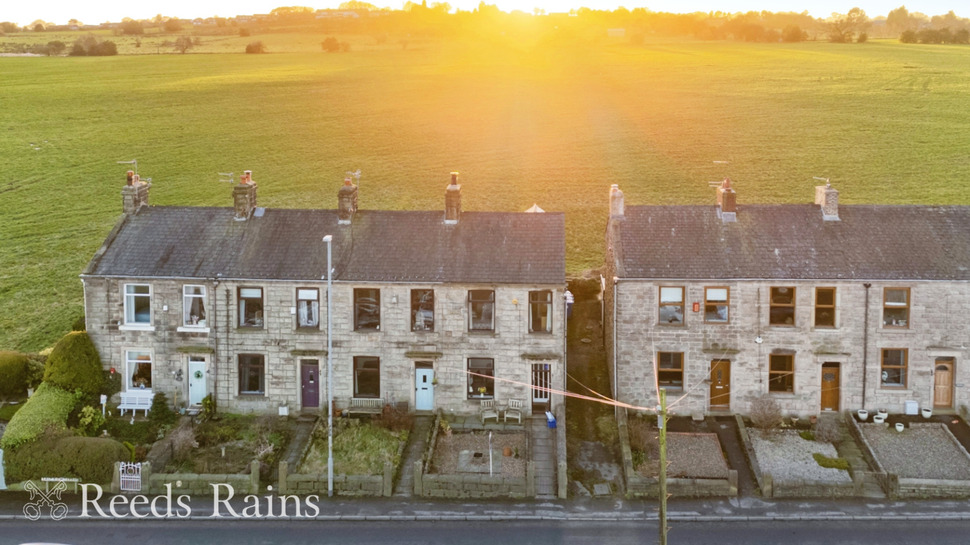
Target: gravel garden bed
[922, 451]
[448, 447]
[696, 455]
[788, 457]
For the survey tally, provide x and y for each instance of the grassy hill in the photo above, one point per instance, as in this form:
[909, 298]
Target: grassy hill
[550, 124]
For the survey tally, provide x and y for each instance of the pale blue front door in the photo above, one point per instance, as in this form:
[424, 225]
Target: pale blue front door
[424, 390]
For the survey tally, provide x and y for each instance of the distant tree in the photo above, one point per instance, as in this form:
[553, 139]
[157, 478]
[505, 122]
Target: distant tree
[908, 37]
[90, 46]
[793, 33]
[862, 38]
[245, 32]
[8, 28]
[961, 36]
[56, 47]
[74, 22]
[106, 48]
[357, 4]
[38, 26]
[256, 47]
[344, 47]
[330, 45]
[172, 25]
[183, 44]
[900, 20]
[132, 27]
[842, 27]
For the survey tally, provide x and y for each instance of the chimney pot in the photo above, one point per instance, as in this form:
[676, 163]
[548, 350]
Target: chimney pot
[616, 202]
[130, 177]
[134, 194]
[453, 200]
[346, 202]
[727, 202]
[244, 197]
[828, 197]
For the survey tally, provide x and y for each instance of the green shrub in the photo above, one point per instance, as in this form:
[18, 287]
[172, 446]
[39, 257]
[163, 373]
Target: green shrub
[160, 413]
[138, 433]
[111, 384]
[13, 374]
[90, 459]
[90, 421]
[79, 324]
[74, 364]
[48, 408]
[832, 463]
[36, 365]
[807, 435]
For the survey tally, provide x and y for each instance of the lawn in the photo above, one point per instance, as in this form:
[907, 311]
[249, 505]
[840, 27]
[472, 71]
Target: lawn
[359, 448]
[552, 124]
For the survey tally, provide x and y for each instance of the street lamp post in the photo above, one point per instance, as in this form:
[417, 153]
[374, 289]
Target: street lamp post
[329, 240]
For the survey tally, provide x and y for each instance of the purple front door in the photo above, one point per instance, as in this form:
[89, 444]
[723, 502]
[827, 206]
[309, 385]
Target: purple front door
[310, 371]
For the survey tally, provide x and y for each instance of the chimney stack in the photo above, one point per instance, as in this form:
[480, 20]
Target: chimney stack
[346, 202]
[453, 200]
[616, 202]
[727, 207]
[244, 196]
[135, 193]
[828, 198]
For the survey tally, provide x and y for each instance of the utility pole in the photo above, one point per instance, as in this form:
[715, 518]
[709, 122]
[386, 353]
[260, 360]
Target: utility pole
[662, 424]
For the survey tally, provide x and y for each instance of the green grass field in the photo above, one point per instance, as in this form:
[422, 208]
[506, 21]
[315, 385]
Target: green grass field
[552, 125]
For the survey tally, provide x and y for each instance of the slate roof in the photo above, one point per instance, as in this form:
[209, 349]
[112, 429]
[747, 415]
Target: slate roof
[870, 242]
[378, 246]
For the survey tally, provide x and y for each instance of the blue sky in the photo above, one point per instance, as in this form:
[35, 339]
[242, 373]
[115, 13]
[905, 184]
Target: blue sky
[60, 11]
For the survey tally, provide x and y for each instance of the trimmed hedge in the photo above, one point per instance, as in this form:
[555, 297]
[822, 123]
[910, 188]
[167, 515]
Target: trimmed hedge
[90, 459]
[48, 408]
[13, 374]
[74, 364]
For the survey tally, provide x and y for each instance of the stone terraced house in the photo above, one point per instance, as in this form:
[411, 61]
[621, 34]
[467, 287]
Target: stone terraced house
[427, 305]
[821, 307]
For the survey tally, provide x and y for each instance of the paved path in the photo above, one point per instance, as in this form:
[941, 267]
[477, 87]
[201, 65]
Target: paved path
[298, 444]
[543, 442]
[417, 446]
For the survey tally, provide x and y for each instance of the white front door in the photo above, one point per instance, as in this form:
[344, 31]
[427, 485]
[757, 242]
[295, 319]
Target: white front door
[197, 388]
[423, 389]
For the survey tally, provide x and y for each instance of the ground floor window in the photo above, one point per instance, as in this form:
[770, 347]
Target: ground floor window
[481, 385]
[670, 370]
[893, 367]
[367, 376]
[781, 373]
[138, 370]
[252, 374]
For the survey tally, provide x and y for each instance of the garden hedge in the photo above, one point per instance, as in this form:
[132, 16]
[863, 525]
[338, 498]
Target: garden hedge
[90, 459]
[74, 364]
[48, 408]
[13, 374]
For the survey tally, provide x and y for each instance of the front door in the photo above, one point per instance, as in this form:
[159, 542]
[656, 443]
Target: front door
[720, 384]
[830, 386]
[943, 384]
[423, 389]
[310, 383]
[197, 383]
[541, 383]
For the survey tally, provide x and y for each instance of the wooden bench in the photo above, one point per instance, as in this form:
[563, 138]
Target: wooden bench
[136, 399]
[365, 406]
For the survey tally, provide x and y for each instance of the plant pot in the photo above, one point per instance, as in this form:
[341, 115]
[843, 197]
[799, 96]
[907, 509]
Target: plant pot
[507, 451]
[926, 412]
[879, 419]
[883, 413]
[900, 427]
[863, 415]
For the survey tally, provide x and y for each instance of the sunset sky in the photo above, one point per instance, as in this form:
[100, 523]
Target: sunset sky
[60, 11]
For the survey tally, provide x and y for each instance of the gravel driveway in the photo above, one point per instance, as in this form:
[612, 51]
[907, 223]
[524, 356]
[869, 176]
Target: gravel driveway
[695, 455]
[788, 457]
[922, 451]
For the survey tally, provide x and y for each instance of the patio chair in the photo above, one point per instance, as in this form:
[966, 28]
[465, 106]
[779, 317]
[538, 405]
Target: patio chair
[514, 410]
[488, 410]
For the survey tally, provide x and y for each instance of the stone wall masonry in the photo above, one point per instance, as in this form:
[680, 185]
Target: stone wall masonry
[193, 483]
[283, 345]
[343, 485]
[474, 486]
[937, 309]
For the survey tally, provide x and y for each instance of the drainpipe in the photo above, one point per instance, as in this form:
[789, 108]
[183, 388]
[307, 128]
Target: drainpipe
[615, 393]
[228, 343]
[865, 345]
[215, 337]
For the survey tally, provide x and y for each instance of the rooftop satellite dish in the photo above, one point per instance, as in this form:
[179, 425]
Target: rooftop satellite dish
[226, 177]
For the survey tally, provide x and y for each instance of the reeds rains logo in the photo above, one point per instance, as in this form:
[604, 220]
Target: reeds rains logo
[44, 501]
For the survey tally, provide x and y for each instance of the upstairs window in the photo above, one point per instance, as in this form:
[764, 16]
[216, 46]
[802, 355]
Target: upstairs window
[670, 370]
[367, 376]
[894, 361]
[716, 305]
[250, 307]
[422, 310]
[824, 307]
[252, 374]
[895, 307]
[308, 307]
[481, 306]
[138, 304]
[540, 311]
[481, 385]
[193, 306]
[367, 309]
[782, 307]
[781, 373]
[138, 370]
[671, 305]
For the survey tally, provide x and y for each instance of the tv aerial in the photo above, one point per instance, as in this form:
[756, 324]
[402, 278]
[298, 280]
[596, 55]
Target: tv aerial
[719, 182]
[133, 162]
[355, 175]
[227, 177]
[821, 179]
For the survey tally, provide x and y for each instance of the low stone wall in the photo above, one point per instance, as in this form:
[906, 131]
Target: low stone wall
[879, 473]
[562, 470]
[931, 488]
[343, 485]
[473, 486]
[199, 484]
[639, 486]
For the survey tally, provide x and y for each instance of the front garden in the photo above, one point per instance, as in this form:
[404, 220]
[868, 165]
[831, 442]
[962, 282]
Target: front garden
[360, 447]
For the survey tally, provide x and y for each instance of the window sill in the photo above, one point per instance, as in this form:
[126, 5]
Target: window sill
[540, 333]
[716, 323]
[668, 324]
[825, 328]
[191, 329]
[477, 397]
[897, 387]
[782, 394]
[136, 327]
[896, 327]
[249, 329]
[251, 395]
[368, 330]
[308, 329]
[482, 332]
[784, 326]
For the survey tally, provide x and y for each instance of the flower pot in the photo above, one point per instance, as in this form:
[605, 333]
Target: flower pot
[883, 413]
[507, 451]
[863, 415]
[926, 412]
[879, 419]
[900, 427]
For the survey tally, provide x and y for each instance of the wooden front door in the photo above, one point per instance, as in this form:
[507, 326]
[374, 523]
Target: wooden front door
[830, 386]
[720, 384]
[943, 383]
[310, 383]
